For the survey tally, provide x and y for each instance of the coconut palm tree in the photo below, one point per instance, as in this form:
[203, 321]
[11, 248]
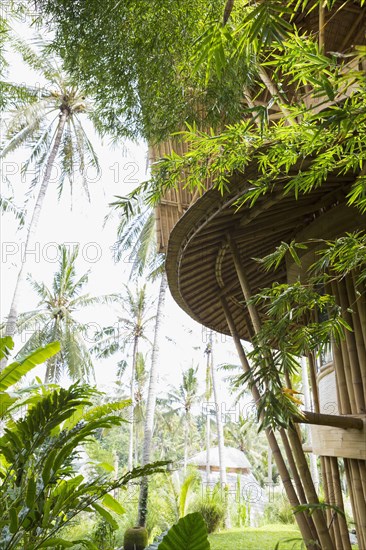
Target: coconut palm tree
[141, 378]
[136, 235]
[47, 120]
[220, 429]
[183, 399]
[131, 329]
[54, 319]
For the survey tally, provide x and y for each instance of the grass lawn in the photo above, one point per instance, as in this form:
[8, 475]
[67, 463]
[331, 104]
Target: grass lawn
[260, 538]
[252, 538]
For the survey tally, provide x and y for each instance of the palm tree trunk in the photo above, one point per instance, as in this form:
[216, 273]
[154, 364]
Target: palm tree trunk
[220, 437]
[151, 402]
[186, 431]
[208, 416]
[132, 398]
[13, 312]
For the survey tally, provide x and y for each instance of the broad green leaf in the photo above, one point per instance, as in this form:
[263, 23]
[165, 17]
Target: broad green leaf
[106, 515]
[6, 345]
[6, 401]
[15, 371]
[190, 533]
[113, 504]
[31, 492]
[106, 466]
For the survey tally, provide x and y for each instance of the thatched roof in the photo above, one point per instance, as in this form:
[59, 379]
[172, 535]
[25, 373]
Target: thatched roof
[233, 458]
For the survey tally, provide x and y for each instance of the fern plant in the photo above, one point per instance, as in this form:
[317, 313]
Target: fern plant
[41, 490]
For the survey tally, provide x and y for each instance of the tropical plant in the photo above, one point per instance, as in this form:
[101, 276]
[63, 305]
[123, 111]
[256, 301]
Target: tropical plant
[131, 329]
[212, 507]
[41, 488]
[156, 90]
[190, 533]
[137, 236]
[55, 319]
[48, 121]
[182, 399]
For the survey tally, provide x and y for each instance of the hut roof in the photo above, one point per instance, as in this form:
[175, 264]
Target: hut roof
[233, 458]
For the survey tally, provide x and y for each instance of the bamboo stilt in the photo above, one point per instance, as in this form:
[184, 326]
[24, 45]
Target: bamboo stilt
[361, 307]
[318, 517]
[340, 520]
[360, 347]
[343, 395]
[311, 495]
[342, 361]
[352, 351]
[314, 385]
[321, 27]
[348, 470]
[362, 466]
[277, 455]
[360, 503]
[327, 488]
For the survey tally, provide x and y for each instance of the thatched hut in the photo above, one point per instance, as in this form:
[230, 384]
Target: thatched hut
[243, 487]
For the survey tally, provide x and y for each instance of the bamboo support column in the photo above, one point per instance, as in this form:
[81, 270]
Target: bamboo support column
[360, 347]
[318, 516]
[349, 370]
[352, 350]
[338, 497]
[301, 518]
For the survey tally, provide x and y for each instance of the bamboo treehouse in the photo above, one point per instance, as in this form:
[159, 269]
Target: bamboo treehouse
[211, 246]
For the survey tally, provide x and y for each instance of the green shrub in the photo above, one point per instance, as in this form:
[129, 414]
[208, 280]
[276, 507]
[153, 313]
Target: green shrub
[278, 511]
[212, 508]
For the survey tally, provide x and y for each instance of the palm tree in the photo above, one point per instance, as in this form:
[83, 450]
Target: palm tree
[220, 429]
[136, 234]
[245, 421]
[183, 399]
[48, 121]
[243, 435]
[132, 327]
[141, 377]
[54, 319]
[208, 394]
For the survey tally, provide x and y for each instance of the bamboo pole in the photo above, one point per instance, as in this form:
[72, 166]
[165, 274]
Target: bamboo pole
[311, 495]
[314, 385]
[321, 27]
[360, 347]
[277, 455]
[337, 421]
[352, 351]
[297, 479]
[348, 470]
[360, 505]
[345, 367]
[340, 520]
[361, 306]
[318, 517]
[333, 525]
[327, 489]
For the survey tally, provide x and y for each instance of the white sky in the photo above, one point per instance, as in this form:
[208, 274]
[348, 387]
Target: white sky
[122, 168]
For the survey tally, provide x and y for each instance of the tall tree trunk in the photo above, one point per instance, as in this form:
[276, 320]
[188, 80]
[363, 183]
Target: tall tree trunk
[13, 312]
[220, 436]
[186, 434]
[208, 414]
[151, 402]
[132, 398]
